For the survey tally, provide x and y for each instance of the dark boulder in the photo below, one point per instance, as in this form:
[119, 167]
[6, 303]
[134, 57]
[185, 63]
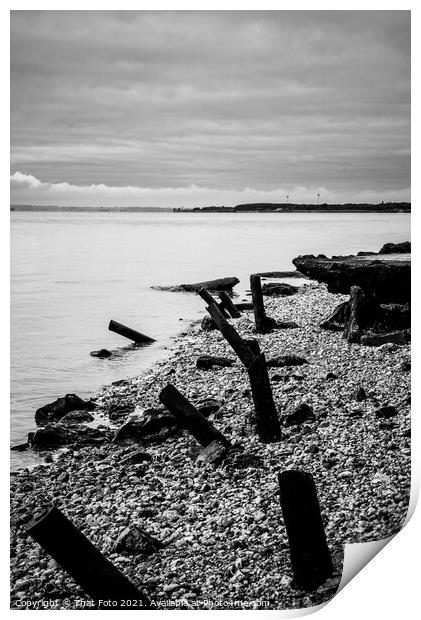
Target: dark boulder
[21, 447]
[302, 413]
[220, 284]
[285, 360]
[77, 417]
[101, 353]
[154, 425]
[56, 435]
[396, 248]
[279, 289]
[58, 409]
[386, 411]
[206, 362]
[388, 281]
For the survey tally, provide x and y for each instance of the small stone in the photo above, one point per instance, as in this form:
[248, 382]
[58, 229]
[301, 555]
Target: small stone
[386, 411]
[331, 375]
[360, 394]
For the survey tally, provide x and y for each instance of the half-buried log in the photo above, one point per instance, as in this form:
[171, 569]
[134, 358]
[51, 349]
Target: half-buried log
[231, 336]
[220, 284]
[189, 418]
[387, 280]
[92, 571]
[264, 324]
[129, 333]
[267, 422]
[226, 304]
[310, 557]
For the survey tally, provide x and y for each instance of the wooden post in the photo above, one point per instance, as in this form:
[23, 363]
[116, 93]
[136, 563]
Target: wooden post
[129, 333]
[227, 304]
[232, 336]
[209, 299]
[264, 324]
[310, 556]
[91, 570]
[267, 420]
[189, 417]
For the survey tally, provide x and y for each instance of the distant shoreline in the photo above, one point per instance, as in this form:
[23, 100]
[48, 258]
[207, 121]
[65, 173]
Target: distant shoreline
[390, 207]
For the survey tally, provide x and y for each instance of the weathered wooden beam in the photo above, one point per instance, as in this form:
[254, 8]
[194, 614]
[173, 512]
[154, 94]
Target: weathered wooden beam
[129, 333]
[189, 417]
[227, 304]
[91, 570]
[267, 421]
[231, 335]
[264, 324]
[310, 557]
[209, 299]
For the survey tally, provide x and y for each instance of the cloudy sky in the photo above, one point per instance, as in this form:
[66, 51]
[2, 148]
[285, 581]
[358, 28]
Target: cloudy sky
[197, 108]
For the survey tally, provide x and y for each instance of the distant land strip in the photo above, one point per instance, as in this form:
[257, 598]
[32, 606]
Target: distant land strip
[257, 207]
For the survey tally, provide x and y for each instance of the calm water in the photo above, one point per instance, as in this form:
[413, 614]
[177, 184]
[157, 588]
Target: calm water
[72, 273]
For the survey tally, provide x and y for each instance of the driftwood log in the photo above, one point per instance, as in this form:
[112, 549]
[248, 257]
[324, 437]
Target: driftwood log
[91, 570]
[129, 333]
[188, 417]
[310, 557]
[220, 284]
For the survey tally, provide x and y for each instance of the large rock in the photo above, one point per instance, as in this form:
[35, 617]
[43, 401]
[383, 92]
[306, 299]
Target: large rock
[279, 289]
[58, 409]
[388, 281]
[396, 248]
[220, 284]
[154, 425]
[56, 435]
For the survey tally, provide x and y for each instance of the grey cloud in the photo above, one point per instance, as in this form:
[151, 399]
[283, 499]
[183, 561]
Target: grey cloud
[217, 99]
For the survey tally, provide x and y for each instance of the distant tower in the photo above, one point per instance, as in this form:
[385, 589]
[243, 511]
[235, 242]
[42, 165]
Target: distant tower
[287, 198]
[318, 197]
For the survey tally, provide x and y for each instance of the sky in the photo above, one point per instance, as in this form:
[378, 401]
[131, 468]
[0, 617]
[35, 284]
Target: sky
[198, 108]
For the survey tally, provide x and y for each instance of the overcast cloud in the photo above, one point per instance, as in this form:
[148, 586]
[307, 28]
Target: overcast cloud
[170, 108]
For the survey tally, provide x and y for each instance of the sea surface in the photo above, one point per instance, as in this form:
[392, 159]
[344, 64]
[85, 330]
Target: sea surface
[73, 272]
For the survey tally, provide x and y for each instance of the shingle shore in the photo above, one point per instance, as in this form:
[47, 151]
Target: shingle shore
[222, 529]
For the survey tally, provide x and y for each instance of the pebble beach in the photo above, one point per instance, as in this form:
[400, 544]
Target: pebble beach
[221, 541]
